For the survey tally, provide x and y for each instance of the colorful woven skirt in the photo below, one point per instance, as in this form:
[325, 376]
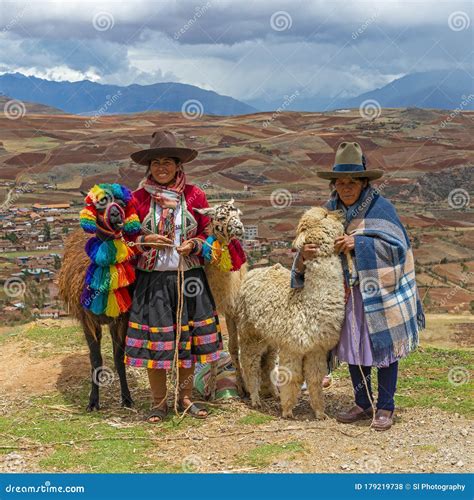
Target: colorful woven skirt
[151, 335]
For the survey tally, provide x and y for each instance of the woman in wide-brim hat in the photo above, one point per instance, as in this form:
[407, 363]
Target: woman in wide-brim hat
[165, 204]
[383, 310]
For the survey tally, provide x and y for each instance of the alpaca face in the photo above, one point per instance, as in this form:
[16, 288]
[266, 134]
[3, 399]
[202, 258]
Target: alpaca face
[321, 227]
[225, 220]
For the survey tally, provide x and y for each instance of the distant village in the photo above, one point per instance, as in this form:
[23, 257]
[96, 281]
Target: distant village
[32, 243]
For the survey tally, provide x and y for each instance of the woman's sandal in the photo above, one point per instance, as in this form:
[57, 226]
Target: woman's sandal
[158, 413]
[193, 410]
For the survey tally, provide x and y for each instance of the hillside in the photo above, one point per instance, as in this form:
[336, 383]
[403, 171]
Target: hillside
[14, 109]
[268, 162]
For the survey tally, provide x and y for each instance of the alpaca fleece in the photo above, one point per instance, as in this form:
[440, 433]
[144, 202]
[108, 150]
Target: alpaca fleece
[301, 325]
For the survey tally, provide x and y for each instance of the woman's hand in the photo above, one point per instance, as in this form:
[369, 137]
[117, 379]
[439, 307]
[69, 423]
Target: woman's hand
[309, 251]
[159, 241]
[344, 244]
[185, 248]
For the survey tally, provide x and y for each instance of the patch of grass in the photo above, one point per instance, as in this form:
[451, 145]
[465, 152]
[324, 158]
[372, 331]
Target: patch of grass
[255, 418]
[101, 456]
[263, 455]
[429, 448]
[86, 442]
[426, 380]
[52, 340]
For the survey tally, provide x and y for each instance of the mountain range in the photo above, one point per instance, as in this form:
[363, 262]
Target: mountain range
[441, 89]
[86, 97]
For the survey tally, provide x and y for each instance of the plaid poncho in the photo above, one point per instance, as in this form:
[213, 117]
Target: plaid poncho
[386, 273]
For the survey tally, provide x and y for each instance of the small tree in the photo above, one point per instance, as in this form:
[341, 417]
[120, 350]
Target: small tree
[13, 237]
[57, 262]
[47, 232]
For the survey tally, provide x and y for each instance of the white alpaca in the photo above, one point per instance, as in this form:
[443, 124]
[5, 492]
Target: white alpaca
[302, 325]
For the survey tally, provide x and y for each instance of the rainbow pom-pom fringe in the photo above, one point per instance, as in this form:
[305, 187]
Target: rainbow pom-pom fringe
[110, 272]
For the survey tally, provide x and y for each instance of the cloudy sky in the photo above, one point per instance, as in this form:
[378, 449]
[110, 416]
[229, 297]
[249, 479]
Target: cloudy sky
[250, 50]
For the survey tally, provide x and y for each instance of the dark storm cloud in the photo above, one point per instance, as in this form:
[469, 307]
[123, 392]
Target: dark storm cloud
[242, 48]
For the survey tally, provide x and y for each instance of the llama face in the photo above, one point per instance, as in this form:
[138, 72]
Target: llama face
[109, 208]
[321, 227]
[225, 220]
[110, 213]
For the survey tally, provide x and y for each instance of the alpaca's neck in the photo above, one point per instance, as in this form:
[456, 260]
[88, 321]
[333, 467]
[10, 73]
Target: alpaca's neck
[321, 274]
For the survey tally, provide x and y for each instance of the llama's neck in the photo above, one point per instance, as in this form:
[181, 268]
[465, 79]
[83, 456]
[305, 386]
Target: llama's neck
[106, 235]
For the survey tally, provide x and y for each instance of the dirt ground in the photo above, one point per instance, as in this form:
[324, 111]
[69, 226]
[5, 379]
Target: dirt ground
[422, 439]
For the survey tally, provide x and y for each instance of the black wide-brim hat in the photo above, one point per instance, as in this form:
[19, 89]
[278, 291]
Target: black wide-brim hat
[163, 145]
[349, 163]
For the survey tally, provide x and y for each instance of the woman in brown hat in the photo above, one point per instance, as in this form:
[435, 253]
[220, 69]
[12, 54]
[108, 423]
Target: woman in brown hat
[172, 235]
[383, 310]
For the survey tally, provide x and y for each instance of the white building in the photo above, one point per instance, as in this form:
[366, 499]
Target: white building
[250, 232]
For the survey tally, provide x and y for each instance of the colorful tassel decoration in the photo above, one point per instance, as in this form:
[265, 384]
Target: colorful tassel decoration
[227, 257]
[225, 264]
[110, 271]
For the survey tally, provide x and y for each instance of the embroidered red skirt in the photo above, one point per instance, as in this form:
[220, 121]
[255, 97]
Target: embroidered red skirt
[151, 335]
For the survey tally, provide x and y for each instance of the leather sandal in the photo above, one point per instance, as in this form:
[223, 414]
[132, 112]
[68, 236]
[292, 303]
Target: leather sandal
[355, 414]
[158, 413]
[193, 410]
[383, 420]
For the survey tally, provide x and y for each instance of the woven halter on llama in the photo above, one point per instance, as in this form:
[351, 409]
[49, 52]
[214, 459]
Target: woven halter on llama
[110, 215]
[221, 248]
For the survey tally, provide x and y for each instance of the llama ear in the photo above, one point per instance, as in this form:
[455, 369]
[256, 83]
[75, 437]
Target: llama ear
[209, 211]
[84, 193]
[299, 241]
[231, 201]
[338, 215]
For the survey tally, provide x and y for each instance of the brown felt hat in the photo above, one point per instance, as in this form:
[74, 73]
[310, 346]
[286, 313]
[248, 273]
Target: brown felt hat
[163, 145]
[350, 162]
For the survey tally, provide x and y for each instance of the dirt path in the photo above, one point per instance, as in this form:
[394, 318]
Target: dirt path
[422, 440]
